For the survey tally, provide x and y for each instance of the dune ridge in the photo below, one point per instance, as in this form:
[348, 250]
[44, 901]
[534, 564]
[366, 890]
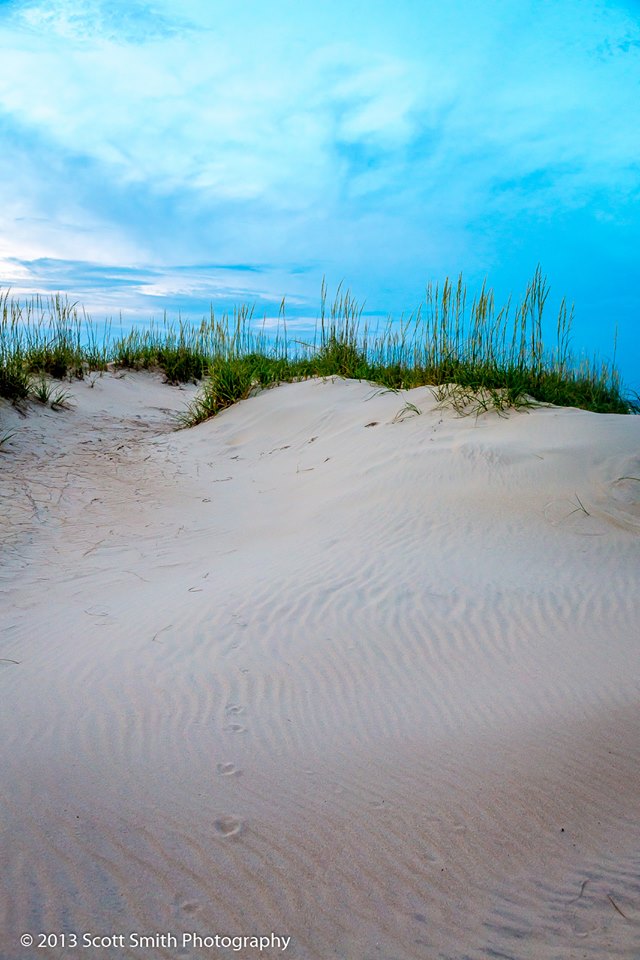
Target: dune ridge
[322, 666]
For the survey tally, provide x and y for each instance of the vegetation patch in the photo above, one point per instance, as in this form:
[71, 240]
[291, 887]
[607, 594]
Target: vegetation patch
[477, 357]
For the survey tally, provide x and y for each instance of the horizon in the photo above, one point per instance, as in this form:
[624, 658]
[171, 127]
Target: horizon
[164, 157]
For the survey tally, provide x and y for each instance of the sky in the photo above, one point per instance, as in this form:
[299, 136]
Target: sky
[179, 154]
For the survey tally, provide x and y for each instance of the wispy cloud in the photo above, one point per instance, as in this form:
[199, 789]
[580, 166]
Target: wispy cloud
[180, 113]
[132, 22]
[385, 145]
[143, 292]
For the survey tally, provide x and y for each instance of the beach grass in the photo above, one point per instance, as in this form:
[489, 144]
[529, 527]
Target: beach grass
[476, 356]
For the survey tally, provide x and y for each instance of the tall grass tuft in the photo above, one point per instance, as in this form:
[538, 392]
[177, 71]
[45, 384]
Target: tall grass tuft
[477, 357]
[44, 336]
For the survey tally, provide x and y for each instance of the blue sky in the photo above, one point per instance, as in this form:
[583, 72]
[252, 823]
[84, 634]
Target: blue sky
[176, 154]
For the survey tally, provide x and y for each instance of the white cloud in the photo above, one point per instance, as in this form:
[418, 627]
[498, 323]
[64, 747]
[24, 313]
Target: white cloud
[232, 128]
[405, 138]
[185, 111]
[95, 19]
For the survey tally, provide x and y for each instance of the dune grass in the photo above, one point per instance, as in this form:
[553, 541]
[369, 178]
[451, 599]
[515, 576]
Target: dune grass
[44, 337]
[477, 357]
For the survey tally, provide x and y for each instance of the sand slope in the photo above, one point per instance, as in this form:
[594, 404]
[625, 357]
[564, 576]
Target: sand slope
[321, 667]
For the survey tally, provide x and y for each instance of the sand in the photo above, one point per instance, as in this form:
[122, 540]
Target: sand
[320, 668]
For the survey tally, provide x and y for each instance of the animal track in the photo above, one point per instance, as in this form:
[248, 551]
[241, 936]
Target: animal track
[232, 709]
[228, 770]
[190, 907]
[233, 726]
[228, 826]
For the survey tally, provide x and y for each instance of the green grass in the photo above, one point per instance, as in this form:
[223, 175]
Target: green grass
[477, 357]
[44, 337]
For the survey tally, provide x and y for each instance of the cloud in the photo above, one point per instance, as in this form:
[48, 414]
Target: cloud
[145, 290]
[132, 22]
[386, 143]
[339, 121]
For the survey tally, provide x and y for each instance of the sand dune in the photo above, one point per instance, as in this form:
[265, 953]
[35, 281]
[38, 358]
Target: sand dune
[324, 668]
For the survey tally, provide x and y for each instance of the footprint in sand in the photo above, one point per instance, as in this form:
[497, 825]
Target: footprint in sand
[234, 726]
[190, 907]
[228, 770]
[584, 926]
[227, 826]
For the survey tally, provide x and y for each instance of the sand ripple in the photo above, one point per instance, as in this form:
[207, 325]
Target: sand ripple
[372, 687]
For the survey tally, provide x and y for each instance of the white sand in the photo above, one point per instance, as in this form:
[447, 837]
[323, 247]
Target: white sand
[373, 687]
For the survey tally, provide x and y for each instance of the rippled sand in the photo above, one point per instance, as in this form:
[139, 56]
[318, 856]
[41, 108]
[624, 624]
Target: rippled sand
[321, 668]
